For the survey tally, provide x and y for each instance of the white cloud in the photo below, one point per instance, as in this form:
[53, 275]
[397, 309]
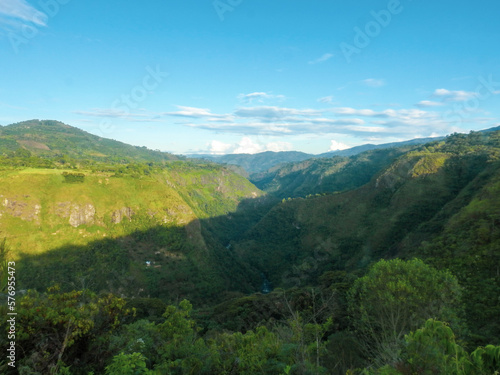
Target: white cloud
[19, 12]
[454, 96]
[218, 147]
[325, 57]
[336, 146]
[372, 82]
[248, 146]
[193, 112]
[279, 146]
[354, 112]
[428, 103]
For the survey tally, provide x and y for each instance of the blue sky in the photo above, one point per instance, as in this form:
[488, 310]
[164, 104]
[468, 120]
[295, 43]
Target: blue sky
[233, 76]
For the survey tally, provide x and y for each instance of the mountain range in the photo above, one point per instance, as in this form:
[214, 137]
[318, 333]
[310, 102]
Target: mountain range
[263, 161]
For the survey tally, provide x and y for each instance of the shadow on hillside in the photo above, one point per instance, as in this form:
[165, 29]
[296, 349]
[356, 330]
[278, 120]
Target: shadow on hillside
[194, 261]
[201, 261]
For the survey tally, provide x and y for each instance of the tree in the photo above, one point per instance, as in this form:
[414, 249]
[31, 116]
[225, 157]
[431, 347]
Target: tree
[180, 348]
[52, 324]
[128, 364]
[395, 297]
[433, 349]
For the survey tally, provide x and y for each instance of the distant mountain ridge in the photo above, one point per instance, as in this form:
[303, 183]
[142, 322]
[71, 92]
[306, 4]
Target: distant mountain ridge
[263, 161]
[254, 163]
[367, 147]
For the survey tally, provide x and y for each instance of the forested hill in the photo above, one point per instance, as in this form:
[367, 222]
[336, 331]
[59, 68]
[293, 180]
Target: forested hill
[336, 171]
[51, 141]
[439, 202]
[326, 175]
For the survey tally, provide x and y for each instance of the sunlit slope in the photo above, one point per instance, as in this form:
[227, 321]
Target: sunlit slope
[102, 224]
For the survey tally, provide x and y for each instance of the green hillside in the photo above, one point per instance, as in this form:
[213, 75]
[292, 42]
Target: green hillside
[95, 220]
[54, 143]
[325, 175]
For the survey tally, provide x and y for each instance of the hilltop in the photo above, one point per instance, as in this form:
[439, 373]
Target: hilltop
[61, 144]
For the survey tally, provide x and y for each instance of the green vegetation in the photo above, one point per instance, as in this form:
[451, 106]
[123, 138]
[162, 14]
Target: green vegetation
[73, 177]
[49, 143]
[386, 262]
[325, 175]
[396, 297]
[81, 333]
[433, 349]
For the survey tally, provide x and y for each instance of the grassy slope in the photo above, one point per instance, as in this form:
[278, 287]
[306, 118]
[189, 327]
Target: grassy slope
[165, 228]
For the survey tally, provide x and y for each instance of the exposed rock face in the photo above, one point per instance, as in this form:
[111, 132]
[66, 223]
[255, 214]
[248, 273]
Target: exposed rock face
[23, 210]
[81, 215]
[119, 215]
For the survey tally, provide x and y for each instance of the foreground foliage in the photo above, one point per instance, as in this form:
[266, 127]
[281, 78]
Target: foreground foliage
[390, 310]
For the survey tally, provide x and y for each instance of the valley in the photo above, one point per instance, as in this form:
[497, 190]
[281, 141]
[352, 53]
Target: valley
[278, 255]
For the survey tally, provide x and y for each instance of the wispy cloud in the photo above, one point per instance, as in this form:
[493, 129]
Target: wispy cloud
[325, 57]
[387, 113]
[193, 112]
[280, 122]
[347, 121]
[112, 113]
[373, 82]
[16, 13]
[271, 113]
[428, 103]
[454, 96]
